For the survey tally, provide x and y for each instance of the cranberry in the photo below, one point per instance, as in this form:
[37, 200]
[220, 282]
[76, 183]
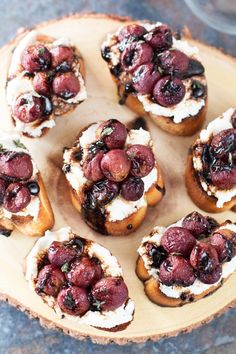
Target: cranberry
[223, 246]
[223, 176]
[160, 37]
[178, 240]
[104, 191]
[66, 85]
[16, 165]
[110, 293]
[50, 280]
[142, 160]
[134, 31]
[176, 270]
[173, 62]
[113, 133]
[212, 277]
[60, 253]
[132, 188]
[136, 54]
[169, 91]
[224, 143]
[92, 168]
[73, 300]
[145, 78]
[36, 58]
[3, 187]
[62, 57]
[29, 108]
[41, 84]
[115, 165]
[17, 197]
[84, 272]
[198, 225]
[204, 257]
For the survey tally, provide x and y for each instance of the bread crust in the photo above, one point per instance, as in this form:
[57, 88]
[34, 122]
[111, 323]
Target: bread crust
[25, 224]
[198, 195]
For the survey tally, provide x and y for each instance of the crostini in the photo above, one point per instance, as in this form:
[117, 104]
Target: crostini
[80, 280]
[211, 165]
[24, 203]
[187, 260]
[113, 176]
[45, 80]
[159, 75]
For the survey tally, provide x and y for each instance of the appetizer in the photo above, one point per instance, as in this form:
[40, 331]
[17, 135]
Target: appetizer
[23, 199]
[158, 74]
[45, 80]
[113, 176]
[80, 280]
[187, 260]
[211, 165]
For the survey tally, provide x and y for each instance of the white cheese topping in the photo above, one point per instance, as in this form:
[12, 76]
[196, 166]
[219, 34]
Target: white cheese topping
[88, 136]
[188, 106]
[138, 136]
[110, 266]
[150, 179]
[219, 124]
[197, 287]
[12, 143]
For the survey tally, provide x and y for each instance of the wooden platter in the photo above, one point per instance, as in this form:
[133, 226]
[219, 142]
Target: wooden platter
[151, 321]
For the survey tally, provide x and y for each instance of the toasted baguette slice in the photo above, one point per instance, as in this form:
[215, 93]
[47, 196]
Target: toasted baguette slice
[106, 266]
[152, 284]
[60, 106]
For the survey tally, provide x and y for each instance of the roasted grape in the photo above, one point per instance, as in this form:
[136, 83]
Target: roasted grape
[223, 176]
[29, 108]
[223, 246]
[178, 240]
[104, 191]
[92, 168]
[73, 301]
[198, 224]
[169, 91]
[84, 272]
[212, 277]
[135, 32]
[132, 188]
[142, 160]
[60, 253]
[41, 84]
[204, 257]
[115, 165]
[17, 197]
[145, 78]
[176, 270]
[224, 143]
[66, 85]
[113, 133]
[109, 293]
[16, 165]
[3, 187]
[173, 62]
[62, 57]
[136, 54]
[50, 280]
[36, 58]
[160, 37]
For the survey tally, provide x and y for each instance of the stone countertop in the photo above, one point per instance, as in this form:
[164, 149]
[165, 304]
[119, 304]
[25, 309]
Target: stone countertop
[18, 334]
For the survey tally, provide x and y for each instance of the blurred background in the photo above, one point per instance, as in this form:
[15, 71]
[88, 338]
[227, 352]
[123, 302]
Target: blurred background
[211, 21]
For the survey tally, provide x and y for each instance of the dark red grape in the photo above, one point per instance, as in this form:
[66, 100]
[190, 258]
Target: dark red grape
[62, 57]
[115, 165]
[224, 143]
[198, 224]
[145, 78]
[212, 277]
[50, 280]
[73, 301]
[178, 240]
[131, 31]
[132, 188]
[29, 108]
[204, 257]
[35, 58]
[173, 62]
[60, 253]
[84, 272]
[16, 165]
[160, 37]
[92, 168]
[110, 293]
[223, 176]
[223, 246]
[3, 186]
[17, 197]
[41, 83]
[142, 160]
[104, 191]
[113, 133]
[66, 85]
[136, 54]
[169, 91]
[176, 270]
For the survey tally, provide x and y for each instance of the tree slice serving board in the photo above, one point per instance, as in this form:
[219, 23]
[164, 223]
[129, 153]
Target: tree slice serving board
[150, 321]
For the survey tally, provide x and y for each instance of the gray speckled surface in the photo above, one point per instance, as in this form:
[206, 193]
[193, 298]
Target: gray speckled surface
[18, 334]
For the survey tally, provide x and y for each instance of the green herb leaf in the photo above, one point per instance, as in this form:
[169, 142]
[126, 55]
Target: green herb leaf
[19, 144]
[97, 304]
[41, 51]
[65, 267]
[107, 131]
[2, 149]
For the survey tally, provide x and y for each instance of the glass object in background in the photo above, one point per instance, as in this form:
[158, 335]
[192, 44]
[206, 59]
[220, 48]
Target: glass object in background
[219, 14]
